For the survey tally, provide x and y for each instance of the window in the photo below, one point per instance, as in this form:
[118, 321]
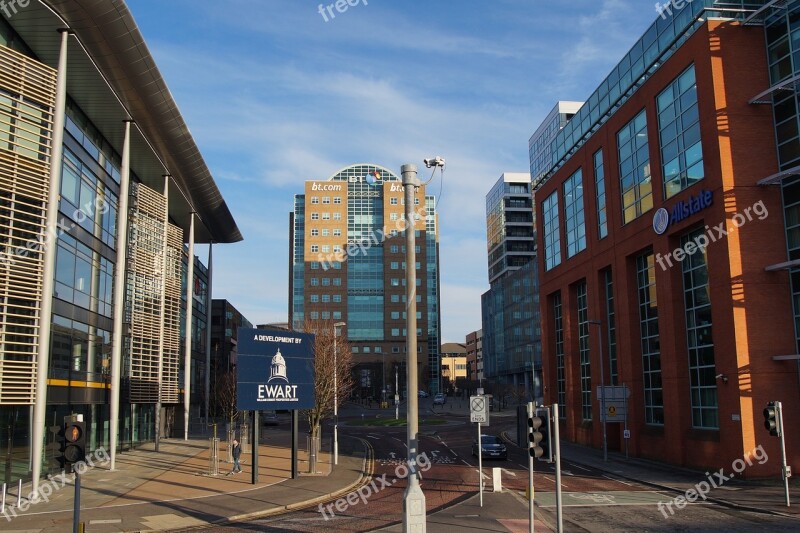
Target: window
[611, 326]
[702, 369]
[552, 239]
[326, 315]
[378, 349]
[574, 225]
[325, 248]
[394, 265]
[583, 350]
[393, 201]
[651, 346]
[337, 233]
[315, 233]
[366, 349]
[337, 315]
[314, 216]
[337, 200]
[314, 298]
[679, 134]
[393, 248]
[395, 349]
[337, 249]
[313, 315]
[393, 216]
[314, 265]
[326, 199]
[337, 216]
[337, 282]
[561, 375]
[314, 199]
[314, 282]
[600, 190]
[314, 249]
[395, 298]
[325, 232]
[337, 298]
[326, 282]
[326, 216]
[636, 186]
[326, 298]
[395, 315]
[395, 332]
[354, 349]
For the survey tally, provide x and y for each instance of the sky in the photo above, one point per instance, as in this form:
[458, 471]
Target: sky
[276, 94]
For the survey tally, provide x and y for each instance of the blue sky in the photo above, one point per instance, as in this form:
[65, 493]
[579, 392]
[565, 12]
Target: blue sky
[274, 95]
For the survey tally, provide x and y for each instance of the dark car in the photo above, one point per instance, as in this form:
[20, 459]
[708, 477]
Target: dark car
[492, 448]
[270, 418]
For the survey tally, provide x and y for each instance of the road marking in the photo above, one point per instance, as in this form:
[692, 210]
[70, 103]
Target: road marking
[392, 455]
[524, 467]
[579, 466]
[482, 474]
[509, 472]
[465, 462]
[553, 481]
[109, 521]
[618, 480]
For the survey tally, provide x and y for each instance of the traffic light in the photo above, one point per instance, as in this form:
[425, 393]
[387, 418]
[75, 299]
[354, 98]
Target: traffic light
[772, 418]
[72, 441]
[539, 440]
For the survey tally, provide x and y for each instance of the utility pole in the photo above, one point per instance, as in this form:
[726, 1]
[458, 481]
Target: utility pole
[414, 519]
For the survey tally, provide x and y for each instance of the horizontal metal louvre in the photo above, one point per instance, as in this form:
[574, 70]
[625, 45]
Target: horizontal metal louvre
[27, 100]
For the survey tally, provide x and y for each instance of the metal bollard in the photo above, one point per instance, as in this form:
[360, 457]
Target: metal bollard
[19, 494]
[3, 502]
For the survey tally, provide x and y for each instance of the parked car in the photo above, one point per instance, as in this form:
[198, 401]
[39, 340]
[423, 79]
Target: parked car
[422, 394]
[439, 399]
[492, 448]
[270, 418]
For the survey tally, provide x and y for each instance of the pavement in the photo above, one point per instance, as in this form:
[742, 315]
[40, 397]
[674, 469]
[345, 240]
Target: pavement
[171, 489]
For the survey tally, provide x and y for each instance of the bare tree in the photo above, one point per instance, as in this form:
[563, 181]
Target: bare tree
[324, 360]
[225, 396]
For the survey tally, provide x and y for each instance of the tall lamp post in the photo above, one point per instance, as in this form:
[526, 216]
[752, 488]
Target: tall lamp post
[414, 518]
[336, 329]
[599, 325]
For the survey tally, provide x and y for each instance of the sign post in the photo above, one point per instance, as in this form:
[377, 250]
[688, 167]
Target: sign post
[275, 370]
[479, 412]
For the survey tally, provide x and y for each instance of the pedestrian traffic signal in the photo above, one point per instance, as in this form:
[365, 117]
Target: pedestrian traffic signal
[539, 440]
[772, 418]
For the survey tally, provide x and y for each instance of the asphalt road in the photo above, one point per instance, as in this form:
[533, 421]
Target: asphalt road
[593, 500]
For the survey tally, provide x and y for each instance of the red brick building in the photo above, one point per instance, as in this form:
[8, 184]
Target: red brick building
[690, 315]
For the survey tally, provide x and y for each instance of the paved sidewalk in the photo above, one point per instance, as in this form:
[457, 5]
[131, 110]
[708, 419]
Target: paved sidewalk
[171, 489]
[752, 495]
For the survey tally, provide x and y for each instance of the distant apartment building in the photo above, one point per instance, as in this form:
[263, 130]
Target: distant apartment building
[225, 323]
[474, 344]
[454, 366]
[347, 250]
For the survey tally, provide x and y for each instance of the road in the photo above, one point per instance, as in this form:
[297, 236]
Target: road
[593, 500]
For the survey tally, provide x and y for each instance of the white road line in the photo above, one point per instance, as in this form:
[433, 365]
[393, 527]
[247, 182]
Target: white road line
[509, 472]
[618, 480]
[563, 485]
[524, 467]
[466, 463]
[579, 466]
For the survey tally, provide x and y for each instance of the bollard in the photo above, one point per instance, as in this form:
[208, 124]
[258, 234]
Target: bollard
[19, 494]
[3, 502]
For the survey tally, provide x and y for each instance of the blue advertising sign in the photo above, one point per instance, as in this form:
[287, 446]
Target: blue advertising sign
[275, 370]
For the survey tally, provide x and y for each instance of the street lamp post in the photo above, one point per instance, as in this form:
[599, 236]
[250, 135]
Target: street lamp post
[414, 517]
[599, 325]
[336, 329]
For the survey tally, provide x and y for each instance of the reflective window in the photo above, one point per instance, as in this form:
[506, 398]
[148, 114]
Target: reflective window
[600, 190]
[650, 339]
[583, 350]
[679, 134]
[574, 226]
[552, 238]
[634, 168]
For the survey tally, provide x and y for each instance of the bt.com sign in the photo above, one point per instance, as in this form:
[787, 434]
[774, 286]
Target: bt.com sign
[275, 370]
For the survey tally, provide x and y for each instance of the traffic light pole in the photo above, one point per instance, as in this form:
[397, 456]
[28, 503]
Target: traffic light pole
[530, 478]
[784, 469]
[76, 509]
[480, 464]
[557, 454]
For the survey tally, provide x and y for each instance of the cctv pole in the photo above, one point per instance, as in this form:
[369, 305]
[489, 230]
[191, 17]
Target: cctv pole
[785, 471]
[414, 519]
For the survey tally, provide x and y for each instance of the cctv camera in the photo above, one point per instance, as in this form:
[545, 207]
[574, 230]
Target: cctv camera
[437, 161]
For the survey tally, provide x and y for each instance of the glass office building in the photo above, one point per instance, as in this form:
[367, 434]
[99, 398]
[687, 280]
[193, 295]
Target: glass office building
[103, 194]
[347, 250]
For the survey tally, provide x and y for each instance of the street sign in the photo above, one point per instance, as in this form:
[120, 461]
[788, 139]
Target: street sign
[478, 410]
[615, 403]
[626, 434]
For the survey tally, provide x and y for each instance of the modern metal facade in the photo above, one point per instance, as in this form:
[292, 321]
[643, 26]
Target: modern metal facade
[347, 250]
[510, 240]
[91, 142]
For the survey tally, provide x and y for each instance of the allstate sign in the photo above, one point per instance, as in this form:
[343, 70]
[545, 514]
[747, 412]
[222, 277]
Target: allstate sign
[275, 370]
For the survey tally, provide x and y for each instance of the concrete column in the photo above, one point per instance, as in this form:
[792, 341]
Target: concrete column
[50, 248]
[119, 293]
[187, 357]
